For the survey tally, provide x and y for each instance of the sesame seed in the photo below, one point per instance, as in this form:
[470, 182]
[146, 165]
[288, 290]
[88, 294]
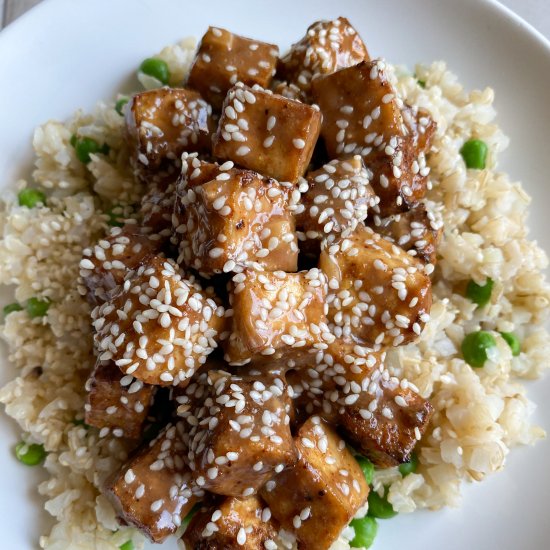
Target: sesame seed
[241, 536]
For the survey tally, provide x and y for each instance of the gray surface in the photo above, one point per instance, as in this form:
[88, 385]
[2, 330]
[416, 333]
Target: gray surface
[536, 12]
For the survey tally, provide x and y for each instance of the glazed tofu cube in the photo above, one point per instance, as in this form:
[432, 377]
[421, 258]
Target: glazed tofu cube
[389, 436]
[157, 206]
[327, 47]
[337, 199]
[348, 384]
[224, 58]
[362, 114]
[276, 314]
[268, 133]
[418, 231]
[239, 435]
[163, 123]
[115, 402]
[153, 491]
[318, 496]
[160, 327]
[378, 294]
[105, 265]
[234, 524]
[238, 219]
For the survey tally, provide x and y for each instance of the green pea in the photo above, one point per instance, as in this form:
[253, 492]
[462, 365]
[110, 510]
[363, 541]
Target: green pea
[379, 507]
[119, 105]
[115, 216]
[409, 467]
[31, 197]
[10, 308]
[474, 153]
[187, 519]
[157, 68]
[475, 346]
[365, 532]
[84, 147]
[480, 294]
[30, 454]
[513, 341]
[367, 466]
[128, 545]
[422, 83]
[37, 307]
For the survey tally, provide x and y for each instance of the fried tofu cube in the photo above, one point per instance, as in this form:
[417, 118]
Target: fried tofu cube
[268, 133]
[276, 314]
[163, 123]
[224, 58]
[318, 496]
[105, 265]
[239, 435]
[418, 231]
[337, 199]
[160, 327]
[389, 436]
[348, 384]
[157, 206]
[362, 114]
[116, 402]
[236, 220]
[234, 524]
[153, 491]
[378, 294]
[327, 47]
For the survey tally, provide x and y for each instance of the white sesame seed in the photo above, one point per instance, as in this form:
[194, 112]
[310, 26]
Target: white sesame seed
[241, 536]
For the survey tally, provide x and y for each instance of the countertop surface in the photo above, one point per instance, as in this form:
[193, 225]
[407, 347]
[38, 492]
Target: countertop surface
[535, 12]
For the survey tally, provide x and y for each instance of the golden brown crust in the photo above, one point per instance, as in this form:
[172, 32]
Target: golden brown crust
[380, 295]
[327, 47]
[362, 114]
[105, 265]
[224, 58]
[239, 219]
[276, 315]
[337, 198]
[115, 402]
[160, 327]
[153, 491]
[239, 433]
[321, 493]
[163, 123]
[268, 133]
[418, 231]
[381, 416]
[233, 524]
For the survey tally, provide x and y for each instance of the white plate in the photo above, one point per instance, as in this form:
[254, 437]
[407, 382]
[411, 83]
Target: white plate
[66, 54]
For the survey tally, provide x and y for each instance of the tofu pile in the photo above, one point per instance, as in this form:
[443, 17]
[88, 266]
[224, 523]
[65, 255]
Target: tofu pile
[241, 318]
